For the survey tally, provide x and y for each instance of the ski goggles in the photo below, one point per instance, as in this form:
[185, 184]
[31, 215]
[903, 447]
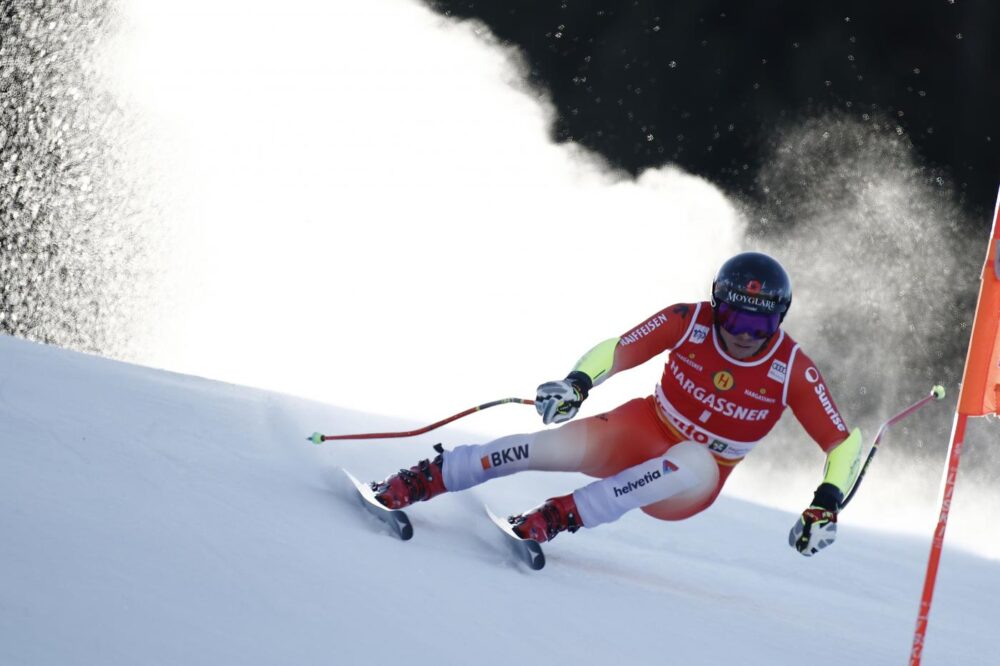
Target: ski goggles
[738, 322]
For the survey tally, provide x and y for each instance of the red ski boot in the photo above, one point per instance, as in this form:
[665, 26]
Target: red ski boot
[419, 483]
[546, 521]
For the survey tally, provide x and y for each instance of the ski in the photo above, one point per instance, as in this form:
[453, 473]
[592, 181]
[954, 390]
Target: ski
[396, 519]
[526, 550]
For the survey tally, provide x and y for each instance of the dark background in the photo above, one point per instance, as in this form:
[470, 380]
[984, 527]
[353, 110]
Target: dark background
[705, 84]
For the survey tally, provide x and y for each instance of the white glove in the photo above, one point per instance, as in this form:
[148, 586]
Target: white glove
[560, 400]
[817, 526]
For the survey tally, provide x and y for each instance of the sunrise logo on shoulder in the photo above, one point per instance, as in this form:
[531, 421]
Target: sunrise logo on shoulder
[723, 380]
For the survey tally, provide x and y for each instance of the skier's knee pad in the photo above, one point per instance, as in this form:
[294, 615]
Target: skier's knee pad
[699, 495]
[696, 458]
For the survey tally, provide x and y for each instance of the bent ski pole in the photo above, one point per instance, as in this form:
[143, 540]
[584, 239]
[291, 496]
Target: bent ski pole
[937, 393]
[319, 438]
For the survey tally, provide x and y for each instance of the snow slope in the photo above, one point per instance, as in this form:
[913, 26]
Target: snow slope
[154, 518]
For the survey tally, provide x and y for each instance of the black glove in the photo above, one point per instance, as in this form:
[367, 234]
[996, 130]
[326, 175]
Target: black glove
[817, 526]
[560, 400]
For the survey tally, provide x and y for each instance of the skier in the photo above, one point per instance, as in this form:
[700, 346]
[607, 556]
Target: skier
[730, 373]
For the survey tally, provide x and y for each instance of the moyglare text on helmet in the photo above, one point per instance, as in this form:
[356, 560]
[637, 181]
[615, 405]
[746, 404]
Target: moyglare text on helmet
[736, 297]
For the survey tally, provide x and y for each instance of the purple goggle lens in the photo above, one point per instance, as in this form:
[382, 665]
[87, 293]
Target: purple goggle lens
[737, 322]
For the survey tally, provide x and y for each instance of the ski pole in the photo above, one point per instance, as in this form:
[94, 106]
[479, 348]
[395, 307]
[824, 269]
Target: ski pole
[937, 393]
[319, 438]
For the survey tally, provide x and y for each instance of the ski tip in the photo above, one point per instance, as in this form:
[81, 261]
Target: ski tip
[494, 517]
[938, 391]
[396, 519]
[360, 485]
[526, 550]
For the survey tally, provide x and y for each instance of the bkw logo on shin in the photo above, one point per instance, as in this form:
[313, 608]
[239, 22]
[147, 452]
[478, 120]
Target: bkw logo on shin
[505, 456]
[647, 478]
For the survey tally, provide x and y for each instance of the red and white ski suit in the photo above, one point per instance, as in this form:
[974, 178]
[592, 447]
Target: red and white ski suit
[705, 396]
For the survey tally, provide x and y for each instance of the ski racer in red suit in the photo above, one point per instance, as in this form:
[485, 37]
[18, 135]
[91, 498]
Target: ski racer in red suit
[729, 375]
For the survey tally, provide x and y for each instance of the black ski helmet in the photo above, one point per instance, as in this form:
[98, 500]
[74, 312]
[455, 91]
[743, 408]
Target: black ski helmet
[754, 282]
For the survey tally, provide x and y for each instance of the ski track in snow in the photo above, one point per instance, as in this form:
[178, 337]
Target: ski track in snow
[154, 518]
